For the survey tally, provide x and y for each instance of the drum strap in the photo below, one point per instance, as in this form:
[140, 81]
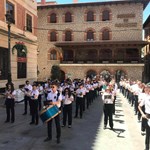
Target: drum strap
[57, 96]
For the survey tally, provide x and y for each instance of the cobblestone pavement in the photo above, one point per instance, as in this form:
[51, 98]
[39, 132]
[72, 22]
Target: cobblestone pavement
[85, 134]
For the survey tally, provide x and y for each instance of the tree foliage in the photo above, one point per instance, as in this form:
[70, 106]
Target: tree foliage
[55, 72]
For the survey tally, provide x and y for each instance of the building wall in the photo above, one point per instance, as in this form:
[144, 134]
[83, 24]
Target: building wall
[79, 71]
[118, 33]
[18, 33]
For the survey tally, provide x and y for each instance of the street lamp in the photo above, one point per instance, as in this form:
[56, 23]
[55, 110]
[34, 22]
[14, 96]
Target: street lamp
[9, 20]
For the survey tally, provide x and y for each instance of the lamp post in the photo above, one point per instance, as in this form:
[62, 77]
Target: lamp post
[9, 20]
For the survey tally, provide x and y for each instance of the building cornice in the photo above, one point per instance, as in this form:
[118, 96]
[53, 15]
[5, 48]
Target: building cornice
[144, 2]
[102, 43]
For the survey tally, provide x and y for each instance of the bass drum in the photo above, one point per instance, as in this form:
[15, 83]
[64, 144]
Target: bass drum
[49, 113]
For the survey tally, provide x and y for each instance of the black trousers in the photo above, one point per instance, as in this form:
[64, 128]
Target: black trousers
[39, 101]
[10, 109]
[84, 97]
[87, 100]
[79, 104]
[108, 113]
[67, 112]
[58, 128]
[114, 105]
[147, 138]
[34, 111]
[27, 100]
[136, 103]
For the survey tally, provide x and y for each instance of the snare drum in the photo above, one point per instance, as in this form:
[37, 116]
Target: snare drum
[49, 113]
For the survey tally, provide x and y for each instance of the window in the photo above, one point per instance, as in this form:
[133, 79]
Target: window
[29, 23]
[105, 15]
[53, 36]
[90, 16]
[105, 35]
[68, 36]
[90, 35]
[68, 17]
[21, 64]
[10, 10]
[52, 55]
[3, 63]
[53, 18]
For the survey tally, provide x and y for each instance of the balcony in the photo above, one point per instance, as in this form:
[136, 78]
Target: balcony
[105, 61]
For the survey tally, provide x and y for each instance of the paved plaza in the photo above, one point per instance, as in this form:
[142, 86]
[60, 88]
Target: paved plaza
[85, 134]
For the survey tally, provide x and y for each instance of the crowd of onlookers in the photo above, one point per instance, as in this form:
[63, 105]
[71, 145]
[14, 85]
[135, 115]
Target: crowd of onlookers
[138, 96]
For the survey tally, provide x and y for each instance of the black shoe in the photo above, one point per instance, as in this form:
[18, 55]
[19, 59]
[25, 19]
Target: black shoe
[75, 117]
[36, 123]
[24, 113]
[47, 139]
[12, 121]
[111, 128]
[63, 126]
[69, 126]
[6, 121]
[58, 140]
[31, 122]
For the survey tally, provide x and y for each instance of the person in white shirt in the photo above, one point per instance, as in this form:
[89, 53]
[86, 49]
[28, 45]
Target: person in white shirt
[54, 98]
[141, 97]
[108, 99]
[146, 102]
[10, 103]
[34, 105]
[40, 89]
[67, 107]
[27, 90]
[80, 92]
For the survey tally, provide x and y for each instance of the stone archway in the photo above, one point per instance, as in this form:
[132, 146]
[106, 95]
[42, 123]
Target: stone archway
[106, 75]
[91, 74]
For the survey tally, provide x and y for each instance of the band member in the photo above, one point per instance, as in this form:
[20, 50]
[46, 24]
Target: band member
[34, 105]
[141, 97]
[79, 100]
[146, 102]
[55, 98]
[108, 99]
[40, 89]
[10, 103]
[67, 107]
[46, 87]
[27, 90]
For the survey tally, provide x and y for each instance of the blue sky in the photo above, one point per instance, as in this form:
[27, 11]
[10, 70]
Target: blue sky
[145, 15]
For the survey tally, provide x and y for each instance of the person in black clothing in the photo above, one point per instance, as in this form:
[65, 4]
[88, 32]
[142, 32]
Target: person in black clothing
[27, 90]
[67, 107]
[34, 105]
[54, 98]
[10, 103]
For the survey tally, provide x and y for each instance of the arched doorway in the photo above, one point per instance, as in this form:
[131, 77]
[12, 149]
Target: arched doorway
[119, 75]
[62, 77]
[91, 74]
[105, 74]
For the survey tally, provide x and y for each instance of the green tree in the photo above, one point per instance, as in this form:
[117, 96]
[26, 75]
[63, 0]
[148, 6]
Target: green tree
[55, 72]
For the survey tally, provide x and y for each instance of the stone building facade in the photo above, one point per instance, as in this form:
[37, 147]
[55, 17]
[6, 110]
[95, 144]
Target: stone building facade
[24, 18]
[85, 38]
